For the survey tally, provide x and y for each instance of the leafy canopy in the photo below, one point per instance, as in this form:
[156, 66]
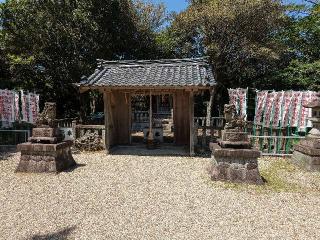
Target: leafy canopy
[48, 45]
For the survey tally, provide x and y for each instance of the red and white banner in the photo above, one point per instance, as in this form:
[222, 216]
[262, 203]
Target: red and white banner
[7, 106]
[295, 109]
[10, 108]
[242, 95]
[269, 108]
[287, 100]
[261, 102]
[284, 109]
[277, 108]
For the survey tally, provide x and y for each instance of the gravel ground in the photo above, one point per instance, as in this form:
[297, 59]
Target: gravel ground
[136, 197]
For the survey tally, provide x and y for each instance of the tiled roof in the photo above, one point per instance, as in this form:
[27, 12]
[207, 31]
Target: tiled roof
[151, 73]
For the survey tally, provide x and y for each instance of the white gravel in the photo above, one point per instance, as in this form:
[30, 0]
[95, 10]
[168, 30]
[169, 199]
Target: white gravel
[134, 197]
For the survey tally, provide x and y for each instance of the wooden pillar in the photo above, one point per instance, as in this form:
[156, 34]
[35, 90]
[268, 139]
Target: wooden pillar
[130, 117]
[191, 119]
[106, 122]
[150, 137]
[209, 108]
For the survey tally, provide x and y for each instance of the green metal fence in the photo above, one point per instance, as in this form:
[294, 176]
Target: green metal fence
[11, 138]
[275, 145]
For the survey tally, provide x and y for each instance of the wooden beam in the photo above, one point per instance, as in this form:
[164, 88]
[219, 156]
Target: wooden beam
[83, 89]
[191, 116]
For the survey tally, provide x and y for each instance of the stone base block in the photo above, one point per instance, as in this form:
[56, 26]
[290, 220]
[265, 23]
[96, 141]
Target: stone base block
[308, 150]
[236, 165]
[45, 132]
[45, 135]
[311, 143]
[38, 158]
[230, 154]
[306, 161]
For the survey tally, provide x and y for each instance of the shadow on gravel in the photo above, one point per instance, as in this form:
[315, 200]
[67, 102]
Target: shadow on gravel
[61, 235]
[264, 180]
[75, 167]
[160, 151]
[4, 156]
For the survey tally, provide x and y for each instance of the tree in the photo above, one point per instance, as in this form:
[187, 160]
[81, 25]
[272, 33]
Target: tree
[302, 38]
[238, 35]
[50, 44]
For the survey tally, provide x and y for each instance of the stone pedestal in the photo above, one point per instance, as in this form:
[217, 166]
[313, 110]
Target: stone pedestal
[38, 158]
[307, 154]
[45, 152]
[236, 165]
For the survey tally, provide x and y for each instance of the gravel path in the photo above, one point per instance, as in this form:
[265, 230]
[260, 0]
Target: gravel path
[132, 197]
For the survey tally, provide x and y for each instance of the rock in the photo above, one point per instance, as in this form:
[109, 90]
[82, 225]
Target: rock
[90, 141]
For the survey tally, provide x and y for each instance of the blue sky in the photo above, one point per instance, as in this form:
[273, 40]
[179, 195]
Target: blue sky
[173, 5]
[179, 5]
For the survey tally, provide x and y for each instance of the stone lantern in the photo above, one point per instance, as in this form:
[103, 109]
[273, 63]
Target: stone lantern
[307, 152]
[234, 159]
[315, 119]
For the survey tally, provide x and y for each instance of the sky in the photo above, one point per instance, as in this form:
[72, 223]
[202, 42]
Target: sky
[173, 5]
[179, 5]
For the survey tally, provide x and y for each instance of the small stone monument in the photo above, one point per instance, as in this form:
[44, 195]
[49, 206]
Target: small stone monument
[45, 151]
[307, 153]
[234, 159]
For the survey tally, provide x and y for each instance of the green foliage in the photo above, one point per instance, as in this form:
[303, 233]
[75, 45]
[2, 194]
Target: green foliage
[48, 45]
[302, 38]
[298, 75]
[237, 35]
